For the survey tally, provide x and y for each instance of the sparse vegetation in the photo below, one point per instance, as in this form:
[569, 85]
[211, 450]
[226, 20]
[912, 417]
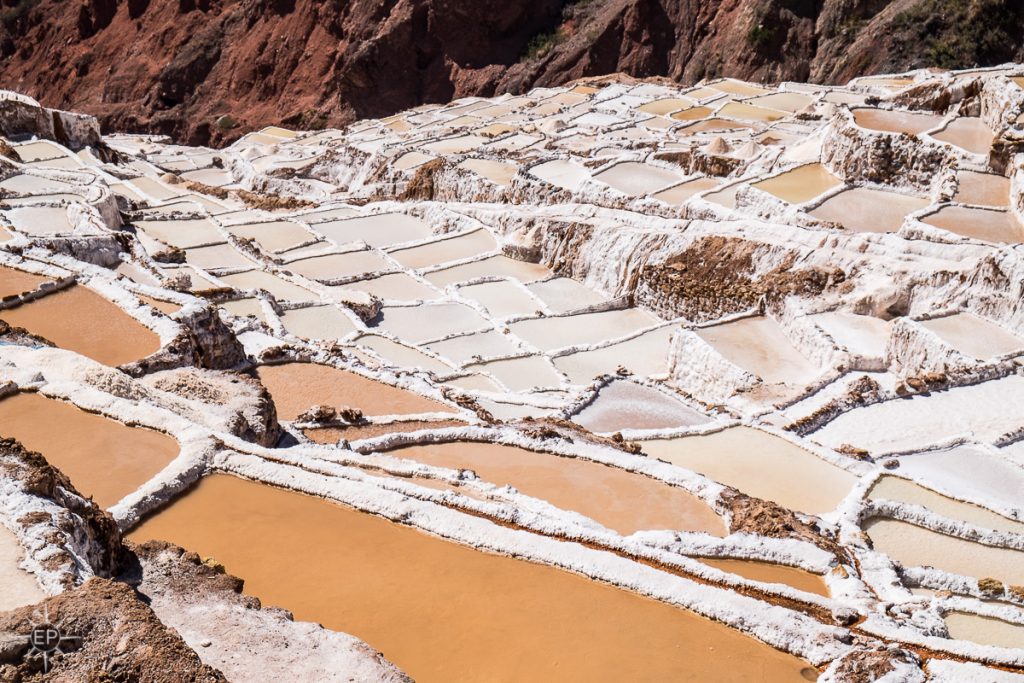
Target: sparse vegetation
[540, 45]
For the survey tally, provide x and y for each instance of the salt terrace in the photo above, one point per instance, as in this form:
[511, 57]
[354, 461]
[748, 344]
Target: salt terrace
[731, 366]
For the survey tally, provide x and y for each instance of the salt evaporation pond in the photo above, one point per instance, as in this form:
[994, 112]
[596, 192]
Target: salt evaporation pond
[14, 282]
[522, 374]
[895, 488]
[986, 189]
[19, 587]
[561, 294]
[768, 572]
[317, 322]
[760, 465]
[860, 334]
[678, 194]
[644, 355]
[448, 249]
[379, 230]
[970, 473]
[394, 287]
[425, 602]
[989, 225]
[627, 405]
[758, 345]
[296, 387]
[864, 209]
[68, 319]
[910, 123]
[984, 630]
[467, 347]
[968, 133]
[561, 173]
[635, 178]
[331, 435]
[801, 184]
[621, 500]
[331, 266]
[502, 298]
[587, 328]
[103, 458]
[974, 336]
[915, 546]
[424, 322]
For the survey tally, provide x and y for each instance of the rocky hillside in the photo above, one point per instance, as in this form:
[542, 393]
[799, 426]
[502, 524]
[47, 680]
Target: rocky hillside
[207, 70]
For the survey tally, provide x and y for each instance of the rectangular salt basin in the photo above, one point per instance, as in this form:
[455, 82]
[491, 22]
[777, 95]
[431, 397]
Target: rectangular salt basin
[103, 458]
[984, 630]
[889, 487]
[380, 230]
[245, 307]
[627, 405]
[562, 294]
[759, 346]
[216, 256]
[334, 266]
[915, 546]
[14, 281]
[665, 106]
[424, 322]
[502, 298]
[864, 209]
[586, 328]
[318, 322]
[295, 387]
[567, 175]
[634, 179]
[968, 133]
[987, 410]
[480, 344]
[983, 224]
[643, 355]
[182, 233]
[40, 220]
[456, 145]
[401, 355]
[911, 123]
[985, 189]
[678, 194]
[800, 185]
[783, 101]
[522, 374]
[970, 473]
[426, 602]
[447, 249]
[498, 172]
[974, 336]
[492, 266]
[767, 572]
[20, 588]
[273, 236]
[864, 335]
[278, 288]
[749, 112]
[394, 286]
[68, 319]
[760, 465]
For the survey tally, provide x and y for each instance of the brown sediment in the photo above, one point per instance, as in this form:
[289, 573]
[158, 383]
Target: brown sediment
[618, 499]
[297, 386]
[82, 321]
[426, 603]
[105, 459]
[330, 435]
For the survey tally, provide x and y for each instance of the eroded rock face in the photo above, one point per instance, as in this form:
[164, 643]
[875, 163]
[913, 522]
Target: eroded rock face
[206, 342]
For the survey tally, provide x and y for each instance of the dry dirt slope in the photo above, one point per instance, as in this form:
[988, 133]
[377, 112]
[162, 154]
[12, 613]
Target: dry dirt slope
[207, 70]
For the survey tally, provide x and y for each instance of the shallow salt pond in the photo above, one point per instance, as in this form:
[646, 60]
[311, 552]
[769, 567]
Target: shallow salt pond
[665, 106]
[567, 175]
[19, 587]
[522, 374]
[643, 355]
[103, 458]
[760, 465]
[801, 184]
[620, 500]
[970, 473]
[968, 133]
[627, 405]
[783, 101]
[678, 194]
[425, 602]
[911, 123]
[498, 172]
[861, 334]
[13, 281]
[380, 230]
[68, 319]
[864, 209]
[585, 328]
[182, 233]
[296, 387]
[394, 286]
[424, 322]
[767, 572]
[492, 266]
[452, 249]
[245, 307]
[759, 346]
[915, 546]
[634, 178]
[331, 435]
[983, 224]
[749, 112]
[484, 344]
[562, 294]
[279, 288]
[317, 322]
[984, 630]
[216, 256]
[402, 355]
[40, 220]
[274, 236]
[895, 488]
[985, 189]
[331, 266]
[974, 336]
[502, 298]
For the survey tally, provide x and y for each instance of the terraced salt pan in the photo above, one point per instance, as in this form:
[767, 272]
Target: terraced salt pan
[864, 209]
[911, 123]
[484, 344]
[620, 500]
[861, 334]
[758, 345]
[562, 294]
[522, 374]
[622, 405]
[635, 179]
[896, 488]
[68, 319]
[767, 572]
[984, 630]
[760, 465]
[974, 336]
[783, 101]
[339, 265]
[712, 125]
[499, 172]
[561, 173]
[800, 185]
[168, 307]
[103, 458]
[401, 355]
[411, 160]
[424, 322]
[425, 602]
[331, 435]
[665, 106]
[273, 236]
[296, 387]
[691, 114]
[245, 307]
[678, 194]
[216, 256]
[40, 220]
[587, 328]
[643, 355]
[749, 112]
[970, 473]
[318, 322]
[969, 133]
[985, 189]
[738, 88]
[13, 281]
[983, 224]
[394, 286]
[915, 546]
[182, 233]
[492, 266]
[19, 587]
[502, 298]
[443, 250]
[380, 230]
[988, 410]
